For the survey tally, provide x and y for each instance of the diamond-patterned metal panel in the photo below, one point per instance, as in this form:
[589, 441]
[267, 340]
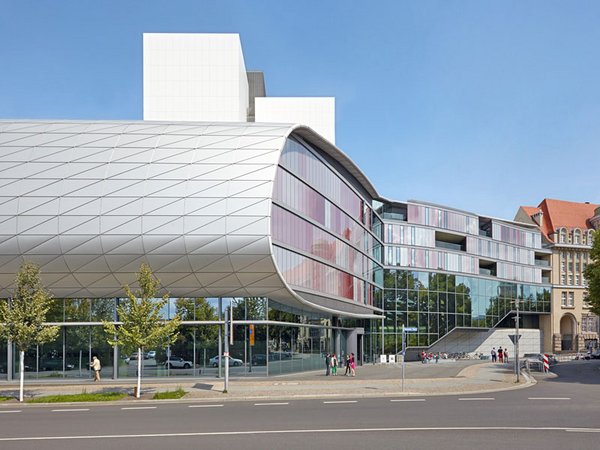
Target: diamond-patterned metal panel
[89, 201]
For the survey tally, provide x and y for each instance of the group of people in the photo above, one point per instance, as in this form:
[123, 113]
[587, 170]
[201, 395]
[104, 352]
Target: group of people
[500, 355]
[429, 357]
[331, 365]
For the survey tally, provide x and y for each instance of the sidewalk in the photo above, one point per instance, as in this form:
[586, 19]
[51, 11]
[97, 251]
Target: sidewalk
[371, 381]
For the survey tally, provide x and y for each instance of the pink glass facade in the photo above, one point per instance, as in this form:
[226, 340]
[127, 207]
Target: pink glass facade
[321, 229]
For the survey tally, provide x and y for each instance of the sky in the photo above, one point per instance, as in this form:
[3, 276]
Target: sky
[480, 106]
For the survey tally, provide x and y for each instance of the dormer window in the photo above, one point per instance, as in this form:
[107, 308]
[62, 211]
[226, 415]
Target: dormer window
[562, 236]
[577, 236]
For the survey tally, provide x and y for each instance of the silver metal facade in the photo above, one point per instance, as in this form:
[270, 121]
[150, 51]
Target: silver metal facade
[90, 201]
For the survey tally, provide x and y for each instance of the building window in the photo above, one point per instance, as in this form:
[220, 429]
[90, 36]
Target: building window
[563, 278]
[571, 300]
[577, 236]
[576, 279]
[563, 299]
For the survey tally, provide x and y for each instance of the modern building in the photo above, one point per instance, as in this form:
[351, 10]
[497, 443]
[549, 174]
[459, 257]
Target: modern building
[268, 219]
[203, 77]
[567, 229]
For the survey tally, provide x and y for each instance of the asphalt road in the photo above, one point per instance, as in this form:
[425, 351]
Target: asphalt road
[561, 412]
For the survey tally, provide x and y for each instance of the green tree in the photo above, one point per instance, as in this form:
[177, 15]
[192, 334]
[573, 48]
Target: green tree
[142, 325]
[205, 336]
[592, 275]
[22, 319]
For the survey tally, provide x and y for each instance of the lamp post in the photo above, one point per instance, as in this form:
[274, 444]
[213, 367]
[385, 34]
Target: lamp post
[517, 369]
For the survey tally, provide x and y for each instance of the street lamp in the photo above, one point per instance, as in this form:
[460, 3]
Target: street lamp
[517, 369]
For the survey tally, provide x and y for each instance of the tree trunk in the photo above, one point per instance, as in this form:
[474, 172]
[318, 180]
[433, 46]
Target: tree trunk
[22, 375]
[139, 377]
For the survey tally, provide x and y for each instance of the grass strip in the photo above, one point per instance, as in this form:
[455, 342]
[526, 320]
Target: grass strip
[168, 395]
[83, 397]
[3, 398]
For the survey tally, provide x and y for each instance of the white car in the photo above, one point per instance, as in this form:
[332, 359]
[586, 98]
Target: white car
[175, 362]
[214, 361]
[132, 360]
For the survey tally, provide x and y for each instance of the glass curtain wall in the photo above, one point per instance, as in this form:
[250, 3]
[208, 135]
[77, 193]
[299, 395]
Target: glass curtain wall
[265, 341]
[435, 303]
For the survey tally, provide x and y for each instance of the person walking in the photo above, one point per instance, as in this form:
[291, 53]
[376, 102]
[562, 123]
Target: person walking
[327, 364]
[96, 367]
[334, 364]
[352, 365]
[347, 373]
[493, 354]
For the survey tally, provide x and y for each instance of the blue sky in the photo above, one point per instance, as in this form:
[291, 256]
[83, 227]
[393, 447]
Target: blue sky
[482, 106]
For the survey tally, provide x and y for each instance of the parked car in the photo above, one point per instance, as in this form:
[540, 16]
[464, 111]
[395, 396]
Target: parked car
[151, 354]
[176, 362]
[595, 354]
[54, 364]
[214, 361]
[132, 359]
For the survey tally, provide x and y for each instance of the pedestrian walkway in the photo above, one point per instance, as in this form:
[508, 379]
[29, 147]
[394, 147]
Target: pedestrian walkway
[371, 381]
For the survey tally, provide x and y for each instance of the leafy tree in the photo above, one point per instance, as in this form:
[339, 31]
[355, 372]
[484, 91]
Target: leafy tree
[592, 275]
[142, 325]
[22, 320]
[205, 335]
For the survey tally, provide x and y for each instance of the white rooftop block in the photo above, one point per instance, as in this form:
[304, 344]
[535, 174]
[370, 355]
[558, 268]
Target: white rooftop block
[194, 77]
[316, 112]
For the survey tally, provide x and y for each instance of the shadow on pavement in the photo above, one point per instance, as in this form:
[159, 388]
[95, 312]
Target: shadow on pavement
[580, 372]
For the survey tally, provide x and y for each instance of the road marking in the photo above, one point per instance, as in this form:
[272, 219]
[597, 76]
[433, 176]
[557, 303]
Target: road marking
[339, 401]
[138, 407]
[297, 431]
[272, 404]
[583, 431]
[549, 398]
[407, 400]
[476, 399]
[10, 412]
[71, 410]
[204, 406]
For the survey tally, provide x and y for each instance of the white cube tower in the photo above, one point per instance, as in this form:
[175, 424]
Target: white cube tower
[194, 77]
[202, 77]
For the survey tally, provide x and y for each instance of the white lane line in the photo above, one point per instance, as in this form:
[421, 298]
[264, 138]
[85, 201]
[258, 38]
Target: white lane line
[10, 412]
[296, 431]
[71, 410]
[583, 431]
[549, 398]
[476, 399]
[138, 407]
[333, 402]
[272, 404]
[204, 406]
[407, 400]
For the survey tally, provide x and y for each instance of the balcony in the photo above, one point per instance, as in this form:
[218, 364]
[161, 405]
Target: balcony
[542, 263]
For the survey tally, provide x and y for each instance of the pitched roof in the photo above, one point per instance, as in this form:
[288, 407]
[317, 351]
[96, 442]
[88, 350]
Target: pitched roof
[561, 213]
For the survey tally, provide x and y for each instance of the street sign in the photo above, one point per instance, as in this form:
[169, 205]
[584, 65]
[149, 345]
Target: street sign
[512, 337]
[410, 329]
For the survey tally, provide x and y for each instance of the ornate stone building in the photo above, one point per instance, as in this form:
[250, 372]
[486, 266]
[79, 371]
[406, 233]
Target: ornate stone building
[567, 229]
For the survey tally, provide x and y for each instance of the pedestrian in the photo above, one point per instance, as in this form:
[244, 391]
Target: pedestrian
[493, 354]
[505, 356]
[334, 363]
[500, 354]
[327, 364]
[352, 365]
[347, 373]
[96, 367]
[437, 357]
